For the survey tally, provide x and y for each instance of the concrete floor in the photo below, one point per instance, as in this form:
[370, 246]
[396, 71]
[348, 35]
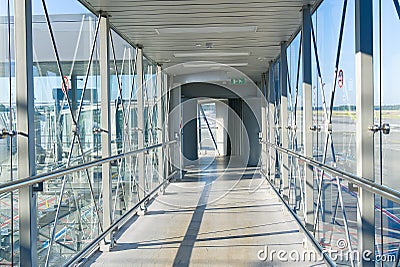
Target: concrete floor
[213, 217]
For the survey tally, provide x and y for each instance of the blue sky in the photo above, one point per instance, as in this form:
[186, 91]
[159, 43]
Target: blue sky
[326, 23]
[53, 6]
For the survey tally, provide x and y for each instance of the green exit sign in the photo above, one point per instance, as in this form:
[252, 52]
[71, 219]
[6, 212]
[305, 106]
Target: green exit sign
[238, 81]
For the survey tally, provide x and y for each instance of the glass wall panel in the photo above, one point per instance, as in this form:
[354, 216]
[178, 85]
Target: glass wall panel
[67, 110]
[9, 234]
[74, 31]
[8, 144]
[9, 229]
[295, 121]
[334, 100]
[124, 126]
[150, 120]
[276, 131]
[277, 89]
[293, 57]
[334, 94]
[387, 114]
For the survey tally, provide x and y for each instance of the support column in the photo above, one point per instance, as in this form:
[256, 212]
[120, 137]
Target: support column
[160, 131]
[167, 155]
[174, 123]
[264, 124]
[189, 132]
[307, 114]
[105, 123]
[365, 119]
[25, 129]
[284, 119]
[271, 120]
[140, 119]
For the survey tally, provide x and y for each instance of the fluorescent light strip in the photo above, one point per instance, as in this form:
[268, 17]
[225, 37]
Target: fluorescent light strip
[206, 30]
[208, 65]
[212, 54]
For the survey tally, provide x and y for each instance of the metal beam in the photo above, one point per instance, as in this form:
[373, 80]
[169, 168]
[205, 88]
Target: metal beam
[284, 118]
[140, 119]
[25, 128]
[307, 114]
[106, 122]
[365, 119]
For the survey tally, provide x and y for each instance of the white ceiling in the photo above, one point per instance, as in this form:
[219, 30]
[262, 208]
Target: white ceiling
[138, 20]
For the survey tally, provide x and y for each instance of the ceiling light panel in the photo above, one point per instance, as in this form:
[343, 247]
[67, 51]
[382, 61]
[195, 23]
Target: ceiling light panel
[212, 54]
[208, 65]
[206, 30]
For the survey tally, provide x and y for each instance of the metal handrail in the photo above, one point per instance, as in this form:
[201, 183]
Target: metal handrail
[381, 190]
[327, 259]
[32, 180]
[75, 260]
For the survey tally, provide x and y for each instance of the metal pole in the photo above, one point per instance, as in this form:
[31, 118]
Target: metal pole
[74, 93]
[365, 119]
[307, 114]
[25, 129]
[106, 124]
[284, 119]
[140, 119]
[267, 86]
[180, 146]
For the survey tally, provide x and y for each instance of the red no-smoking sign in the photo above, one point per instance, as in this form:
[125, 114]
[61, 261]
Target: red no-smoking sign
[340, 78]
[64, 84]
